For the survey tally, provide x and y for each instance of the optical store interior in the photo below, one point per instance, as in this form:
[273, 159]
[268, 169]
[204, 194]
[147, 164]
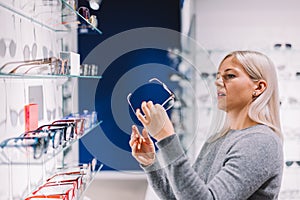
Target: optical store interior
[73, 71]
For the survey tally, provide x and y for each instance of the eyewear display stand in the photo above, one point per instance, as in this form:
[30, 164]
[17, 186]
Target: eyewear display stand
[59, 16]
[45, 14]
[42, 165]
[37, 172]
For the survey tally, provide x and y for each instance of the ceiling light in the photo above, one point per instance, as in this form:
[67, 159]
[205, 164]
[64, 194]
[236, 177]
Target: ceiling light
[95, 4]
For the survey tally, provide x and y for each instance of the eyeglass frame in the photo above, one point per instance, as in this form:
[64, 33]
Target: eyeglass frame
[75, 177]
[63, 196]
[37, 142]
[64, 126]
[38, 63]
[11, 42]
[78, 122]
[172, 95]
[50, 133]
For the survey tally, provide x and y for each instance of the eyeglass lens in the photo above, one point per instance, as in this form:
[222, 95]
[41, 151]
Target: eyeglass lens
[27, 52]
[3, 47]
[290, 163]
[51, 114]
[15, 116]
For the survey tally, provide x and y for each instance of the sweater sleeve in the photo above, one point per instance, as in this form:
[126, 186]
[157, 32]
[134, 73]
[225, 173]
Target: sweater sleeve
[157, 178]
[248, 164]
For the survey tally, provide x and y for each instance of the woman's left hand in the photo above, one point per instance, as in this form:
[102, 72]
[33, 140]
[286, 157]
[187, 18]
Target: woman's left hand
[142, 146]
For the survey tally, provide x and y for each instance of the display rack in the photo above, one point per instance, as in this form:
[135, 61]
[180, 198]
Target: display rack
[21, 172]
[68, 15]
[61, 77]
[9, 155]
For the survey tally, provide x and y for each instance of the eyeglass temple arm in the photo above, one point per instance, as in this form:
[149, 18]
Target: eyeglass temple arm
[129, 102]
[49, 125]
[164, 86]
[27, 132]
[43, 61]
[38, 66]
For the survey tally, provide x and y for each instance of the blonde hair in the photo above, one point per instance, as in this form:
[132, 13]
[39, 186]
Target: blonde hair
[265, 108]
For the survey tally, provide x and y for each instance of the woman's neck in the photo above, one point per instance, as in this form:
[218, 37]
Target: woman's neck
[240, 120]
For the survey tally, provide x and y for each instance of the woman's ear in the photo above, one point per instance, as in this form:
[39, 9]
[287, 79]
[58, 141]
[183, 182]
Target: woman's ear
[260, 87]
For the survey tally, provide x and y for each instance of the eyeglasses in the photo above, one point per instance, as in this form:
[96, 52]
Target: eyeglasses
[10, 44]
[167, 104]
[64, 191]
[55, 135]
[27, 62]
[290, 163]
[280, 45]
[51, 114]
[47, 53]
[206, 75]
[83, 168]
[27, 52]
[68, 129]
[52, 64]
[38, 144]
[15, 116]
[68, 177]
[78, 124]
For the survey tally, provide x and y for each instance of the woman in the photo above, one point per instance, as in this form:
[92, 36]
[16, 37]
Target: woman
[243, 160]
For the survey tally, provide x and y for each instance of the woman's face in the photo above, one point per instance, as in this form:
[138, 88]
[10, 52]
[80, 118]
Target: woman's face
[234, 86]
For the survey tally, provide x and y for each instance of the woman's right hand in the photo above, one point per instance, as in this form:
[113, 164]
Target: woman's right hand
[142, 146]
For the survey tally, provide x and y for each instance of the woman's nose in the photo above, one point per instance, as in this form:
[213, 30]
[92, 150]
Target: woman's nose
[219, 81]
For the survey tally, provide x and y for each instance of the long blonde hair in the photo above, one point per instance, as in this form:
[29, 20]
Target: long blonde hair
[265, 108]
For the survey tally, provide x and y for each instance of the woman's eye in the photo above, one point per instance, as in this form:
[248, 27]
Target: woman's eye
[229, 76]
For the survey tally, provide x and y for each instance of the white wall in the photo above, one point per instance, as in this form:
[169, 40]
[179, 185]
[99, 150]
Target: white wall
[233, 24]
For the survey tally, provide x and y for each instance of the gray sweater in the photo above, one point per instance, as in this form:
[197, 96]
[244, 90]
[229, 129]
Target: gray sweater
[244, 164]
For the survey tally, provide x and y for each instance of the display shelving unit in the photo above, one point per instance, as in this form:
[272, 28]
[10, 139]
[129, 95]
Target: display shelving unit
[61, 17]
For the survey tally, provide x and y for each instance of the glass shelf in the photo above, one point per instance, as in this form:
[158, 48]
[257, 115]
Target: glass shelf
[87, 185]
[21, 155]
[45, 14]
[86, 180]
[47, 76]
